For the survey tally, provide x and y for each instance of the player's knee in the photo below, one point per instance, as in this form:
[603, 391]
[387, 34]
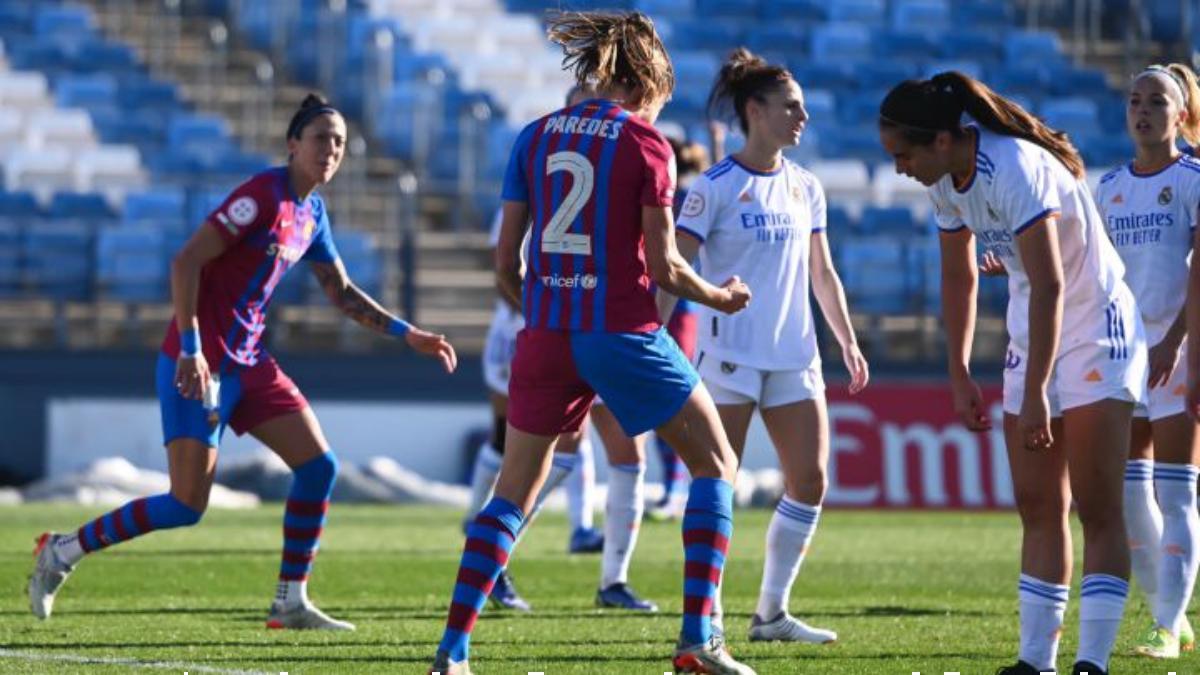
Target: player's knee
[1039, 507]
[1099, 514]
[322, 469]
[174, 512]
[808, 487]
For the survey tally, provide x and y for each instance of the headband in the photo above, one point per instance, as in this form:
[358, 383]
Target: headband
[307, 115]
[1180, 85]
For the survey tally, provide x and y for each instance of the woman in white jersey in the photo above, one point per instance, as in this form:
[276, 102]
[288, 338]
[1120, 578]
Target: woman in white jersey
[1076, 360]
[1149, 207]
[758, 215]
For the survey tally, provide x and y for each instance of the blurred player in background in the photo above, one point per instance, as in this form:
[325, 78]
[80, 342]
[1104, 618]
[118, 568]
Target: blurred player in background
[213, 370]
[597, 181]
[1149, 207]
[1076, 362]
[757, 214]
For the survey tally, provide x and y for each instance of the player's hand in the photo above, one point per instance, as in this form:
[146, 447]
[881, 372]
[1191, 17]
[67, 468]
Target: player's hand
[968, 404]
[1164, 359]
[1034, 423]
[856, 363]
[990, 265]
[192, 376]
[431, 344]
[736, 296]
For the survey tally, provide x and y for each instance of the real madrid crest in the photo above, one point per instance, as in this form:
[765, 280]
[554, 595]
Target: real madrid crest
[1164, 197]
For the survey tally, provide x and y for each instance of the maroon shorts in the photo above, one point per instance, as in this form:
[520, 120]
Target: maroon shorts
[267, 393]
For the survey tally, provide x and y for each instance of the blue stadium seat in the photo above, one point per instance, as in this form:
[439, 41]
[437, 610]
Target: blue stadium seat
[162, 206]
[62, 21]
[130, 263]
[1027, 80]
[994, 14]
[884, 74]
[861, 107]
[86, 91]
[905, 47]
[894, 221]
[718, 36]
[89, 206]
[789, 37]
[357, 250]
[1040, 48]
[57, 257]
[863, 12]
[141, 93]
[807, 10]
[670, 9]
[48, 57]
[841, 42]
[820, 104]
[727, 9]
[924, 15]
[831, 75]
[10, 258]
[966, 42]
[19, 206]
[873, 269]
[1075, 115]
[104, 57]
[1068, 80]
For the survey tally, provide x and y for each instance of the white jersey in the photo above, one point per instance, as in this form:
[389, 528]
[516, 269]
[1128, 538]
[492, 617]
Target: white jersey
[1150, 219]
[1016, 184]
[758, 226]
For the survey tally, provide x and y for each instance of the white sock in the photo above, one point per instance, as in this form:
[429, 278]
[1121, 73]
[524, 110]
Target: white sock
[788, 535]
[1144, 523]
[581, 488]
[291, 593]
[1042, 607]
[622, 519]
[559, 470]
[483, 477]
[1176, 485]
[1101, 604]
[68, 550]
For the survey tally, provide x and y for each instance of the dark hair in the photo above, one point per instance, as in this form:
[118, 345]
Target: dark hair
[919, 109]
[312, 106]
[743, 77]
[605, 49]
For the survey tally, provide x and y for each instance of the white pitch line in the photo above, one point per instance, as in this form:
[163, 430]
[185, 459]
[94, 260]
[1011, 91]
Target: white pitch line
[133, 663]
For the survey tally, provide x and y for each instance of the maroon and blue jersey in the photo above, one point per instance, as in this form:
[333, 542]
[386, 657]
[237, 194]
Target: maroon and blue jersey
[586, 171]
[267, 231]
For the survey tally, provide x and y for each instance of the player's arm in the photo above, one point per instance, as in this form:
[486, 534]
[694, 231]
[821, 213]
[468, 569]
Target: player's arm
[1192, 310]
[674, 275]
[192, 371]
[831, 296]
[514, 220]
[960, 282]
[1037, 245]
[362, 308]
[688, 247]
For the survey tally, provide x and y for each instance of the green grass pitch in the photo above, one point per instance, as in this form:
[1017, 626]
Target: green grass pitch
[907, 592]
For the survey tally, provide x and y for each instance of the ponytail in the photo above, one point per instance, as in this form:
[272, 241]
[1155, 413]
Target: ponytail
[1190, 129]
[743, 76]
[611, 49]
[922, 108]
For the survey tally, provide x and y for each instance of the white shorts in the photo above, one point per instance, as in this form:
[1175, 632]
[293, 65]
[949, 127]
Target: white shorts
[1108, 360]
[498, 352]
[732, 383]
[1167, 400]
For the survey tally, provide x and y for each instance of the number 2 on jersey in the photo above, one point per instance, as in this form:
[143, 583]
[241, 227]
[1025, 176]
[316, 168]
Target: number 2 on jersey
[555, 238]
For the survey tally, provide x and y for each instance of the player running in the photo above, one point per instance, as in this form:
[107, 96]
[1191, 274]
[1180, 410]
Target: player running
[213, 370]
[597, 181]
[759, 214]
[1076, 361]
[1149, 207]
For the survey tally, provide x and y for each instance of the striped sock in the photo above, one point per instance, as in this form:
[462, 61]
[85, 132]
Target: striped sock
[1176, 486]
[138, 517]
[788, 536]
[1101, 604]
[1144, 525]
[707, 528]
[1043, 605]
[303, 522]
[489, 541]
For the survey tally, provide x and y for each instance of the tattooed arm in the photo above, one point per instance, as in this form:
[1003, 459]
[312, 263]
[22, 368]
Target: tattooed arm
[356, 304]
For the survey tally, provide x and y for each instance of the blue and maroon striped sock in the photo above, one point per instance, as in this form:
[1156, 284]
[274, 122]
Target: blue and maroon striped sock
[138, 517]
[707, 528]
[304, 519]
[489, 541]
